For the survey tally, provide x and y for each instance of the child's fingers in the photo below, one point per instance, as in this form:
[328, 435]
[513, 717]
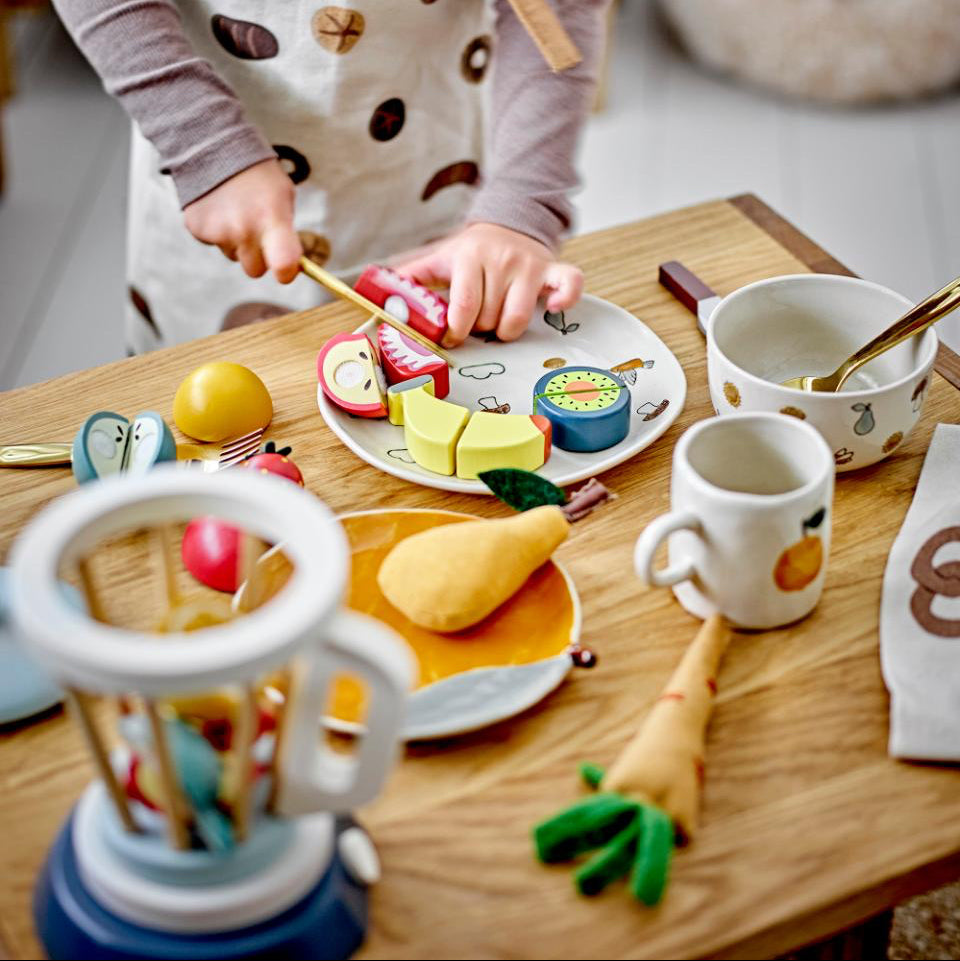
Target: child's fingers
[562, 286]
[466, 298]
[494, 293]
[519, 305]
[282, 251]
[431, 270]
[251, 259]
[228, 250]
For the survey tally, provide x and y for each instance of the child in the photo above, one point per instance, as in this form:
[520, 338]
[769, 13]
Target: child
[352, 133]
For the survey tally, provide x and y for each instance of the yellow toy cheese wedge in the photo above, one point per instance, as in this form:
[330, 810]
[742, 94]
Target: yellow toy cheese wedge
[495, 441]
[431, 429]
[451, 577]
[396, 392]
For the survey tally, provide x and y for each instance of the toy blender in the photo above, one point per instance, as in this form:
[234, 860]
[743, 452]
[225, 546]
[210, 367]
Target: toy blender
[219, 825]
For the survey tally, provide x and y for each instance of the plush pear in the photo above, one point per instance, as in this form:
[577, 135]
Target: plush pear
[451, 577]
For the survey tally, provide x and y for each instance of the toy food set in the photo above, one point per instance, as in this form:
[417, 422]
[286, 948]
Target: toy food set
[450, 578]
[776, 329]
[580, 392]
[211, 830]
[650, 796]
[509, 657]
[220, 400]
[920, 616]
[109, 444]
[749, 526]
[210, 548]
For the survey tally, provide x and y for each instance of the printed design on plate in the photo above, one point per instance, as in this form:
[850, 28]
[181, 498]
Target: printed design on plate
[628, 369]
[558, 321]
[493, 406]
[552, 363]
[798, 566]
[482, 371]
[892, 442]
[732, 394]
[401, 454]
[942, 580]
[916, 398]
[793, 412]
[843, 456]
[866, 421]
[651, 411]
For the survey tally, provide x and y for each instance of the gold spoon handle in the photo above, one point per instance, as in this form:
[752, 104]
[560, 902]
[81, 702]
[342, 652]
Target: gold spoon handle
[916, 320]
[35, 455]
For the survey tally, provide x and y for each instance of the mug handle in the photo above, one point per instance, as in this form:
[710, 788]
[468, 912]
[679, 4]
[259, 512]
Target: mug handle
[650, 540]
[315, 778]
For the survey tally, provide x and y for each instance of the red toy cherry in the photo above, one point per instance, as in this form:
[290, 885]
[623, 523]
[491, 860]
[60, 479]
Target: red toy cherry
[209, 548]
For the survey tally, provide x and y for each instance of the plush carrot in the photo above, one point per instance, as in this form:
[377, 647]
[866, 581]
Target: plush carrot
[649, 798]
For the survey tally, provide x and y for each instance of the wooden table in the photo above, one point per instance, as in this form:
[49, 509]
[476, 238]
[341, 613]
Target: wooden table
[808, 826]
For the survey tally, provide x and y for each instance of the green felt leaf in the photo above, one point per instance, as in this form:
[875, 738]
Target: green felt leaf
[592, 774]
[590, 823]
[654, 851]
[609, 864]
[521, 489]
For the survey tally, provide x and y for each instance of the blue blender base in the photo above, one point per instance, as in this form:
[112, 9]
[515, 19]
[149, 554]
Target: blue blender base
[330, 922]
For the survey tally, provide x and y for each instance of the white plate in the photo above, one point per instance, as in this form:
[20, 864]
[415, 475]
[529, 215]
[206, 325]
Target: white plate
[595, 333]
[481, 696]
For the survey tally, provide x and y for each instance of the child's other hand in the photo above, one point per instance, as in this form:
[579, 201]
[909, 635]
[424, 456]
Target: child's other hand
[250, 218]
[495, 276]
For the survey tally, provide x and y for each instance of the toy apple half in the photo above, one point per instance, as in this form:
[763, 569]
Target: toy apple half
[350, 375]
[410, 302]
[109, 444]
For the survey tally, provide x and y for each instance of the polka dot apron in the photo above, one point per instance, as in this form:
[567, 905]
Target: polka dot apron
[376, 113]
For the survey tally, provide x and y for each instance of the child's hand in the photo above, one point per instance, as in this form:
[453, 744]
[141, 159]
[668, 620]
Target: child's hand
[250, 218]
[495, 276]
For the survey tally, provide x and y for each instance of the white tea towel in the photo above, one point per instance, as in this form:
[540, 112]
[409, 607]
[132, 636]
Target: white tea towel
[920, 612]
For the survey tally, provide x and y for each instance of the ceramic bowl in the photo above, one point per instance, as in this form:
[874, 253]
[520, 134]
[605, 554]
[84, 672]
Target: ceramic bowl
[774, 329]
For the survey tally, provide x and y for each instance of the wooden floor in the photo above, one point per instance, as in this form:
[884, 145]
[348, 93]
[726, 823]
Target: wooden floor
[876, 187]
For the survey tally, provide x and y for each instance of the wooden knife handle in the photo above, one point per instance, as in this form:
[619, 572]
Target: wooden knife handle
[686, 286]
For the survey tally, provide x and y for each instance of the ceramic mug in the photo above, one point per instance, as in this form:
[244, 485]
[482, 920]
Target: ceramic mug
[749, 529]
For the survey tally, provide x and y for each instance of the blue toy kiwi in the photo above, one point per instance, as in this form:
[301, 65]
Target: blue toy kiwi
[109, 444]
[583, 430]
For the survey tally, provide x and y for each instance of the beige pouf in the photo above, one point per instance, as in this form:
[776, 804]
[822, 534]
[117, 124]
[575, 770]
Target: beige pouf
[842, 51]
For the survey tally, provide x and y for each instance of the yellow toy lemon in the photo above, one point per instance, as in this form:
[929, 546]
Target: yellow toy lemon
[220, 400]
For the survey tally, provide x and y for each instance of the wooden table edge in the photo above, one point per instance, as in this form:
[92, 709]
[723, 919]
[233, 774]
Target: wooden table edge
[860, 907]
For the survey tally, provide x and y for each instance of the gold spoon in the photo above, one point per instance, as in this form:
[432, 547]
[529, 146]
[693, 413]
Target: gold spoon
[916, 320]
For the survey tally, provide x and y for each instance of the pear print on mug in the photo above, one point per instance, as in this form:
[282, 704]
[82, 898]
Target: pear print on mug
[749, 529]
